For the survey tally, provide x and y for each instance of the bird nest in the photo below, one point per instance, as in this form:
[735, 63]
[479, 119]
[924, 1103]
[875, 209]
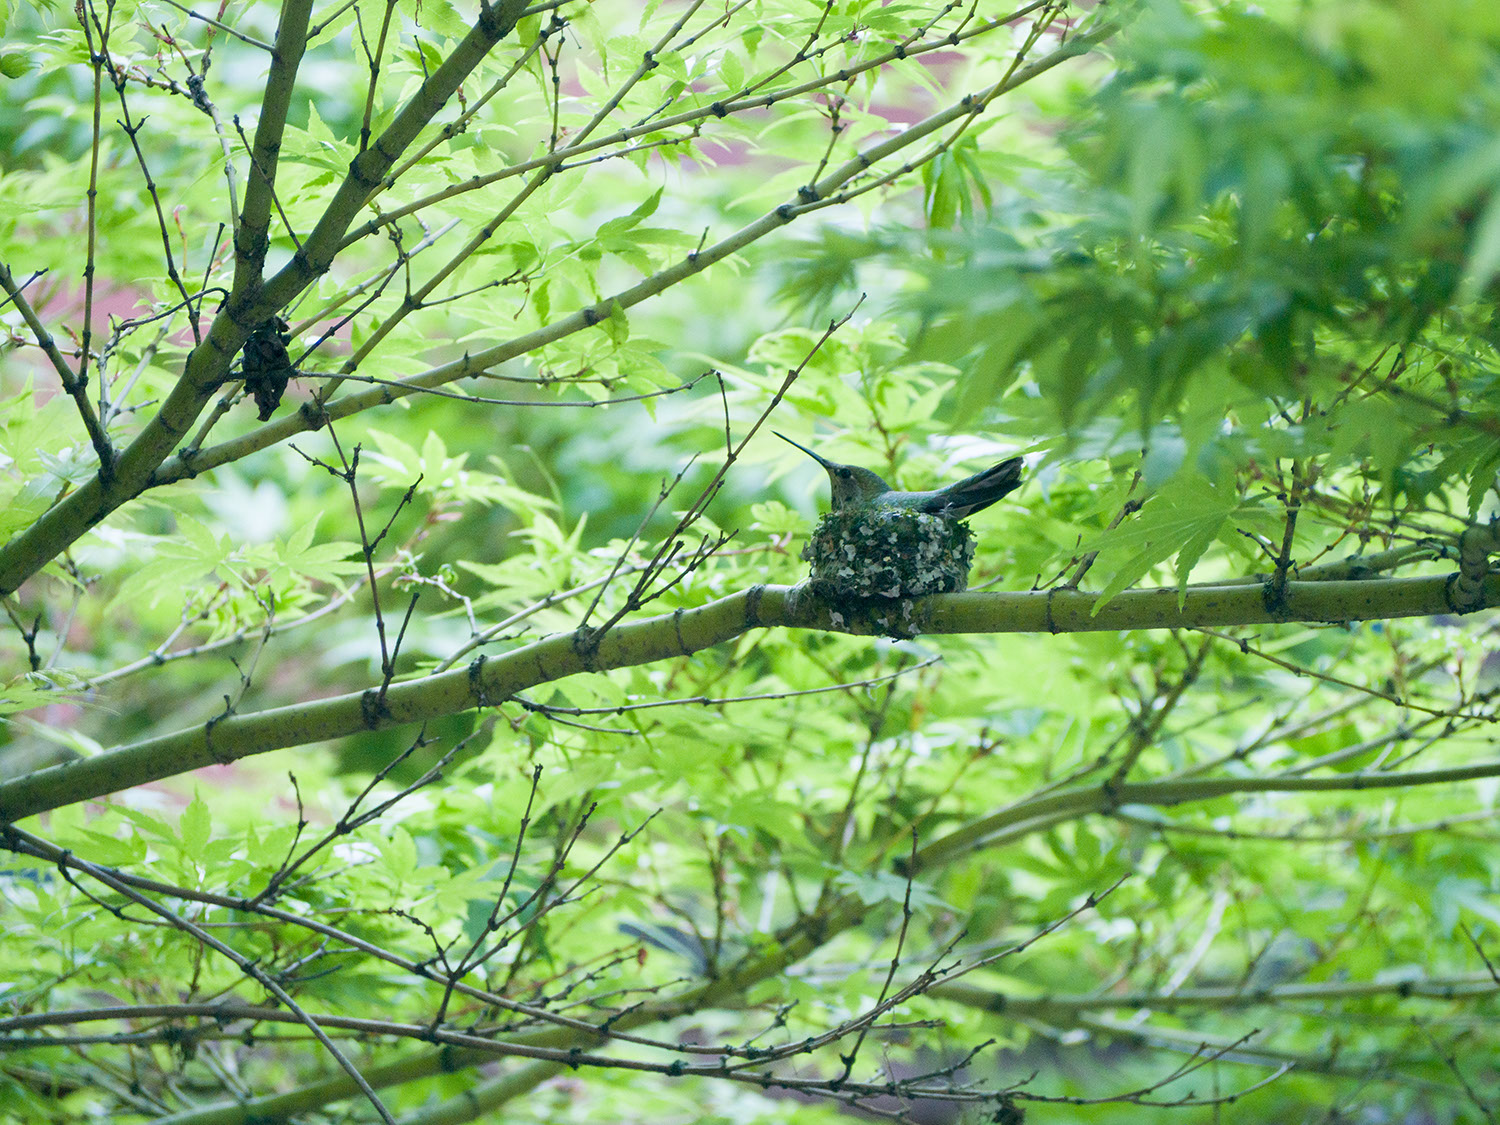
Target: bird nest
[878, 552]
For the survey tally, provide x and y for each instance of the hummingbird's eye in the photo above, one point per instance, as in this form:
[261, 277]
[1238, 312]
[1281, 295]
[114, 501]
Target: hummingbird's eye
[845, 473]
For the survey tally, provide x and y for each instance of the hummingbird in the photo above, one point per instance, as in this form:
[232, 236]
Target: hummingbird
[854, 487]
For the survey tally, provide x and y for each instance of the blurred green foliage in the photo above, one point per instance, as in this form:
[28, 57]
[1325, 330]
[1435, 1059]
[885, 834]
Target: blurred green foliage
[1229, 282]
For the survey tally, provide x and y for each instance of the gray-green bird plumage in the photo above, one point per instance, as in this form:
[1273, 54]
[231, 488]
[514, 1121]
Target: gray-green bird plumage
[854, 487]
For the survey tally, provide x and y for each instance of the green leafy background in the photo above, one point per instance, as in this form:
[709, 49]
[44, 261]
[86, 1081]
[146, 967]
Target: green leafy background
[1240, 260]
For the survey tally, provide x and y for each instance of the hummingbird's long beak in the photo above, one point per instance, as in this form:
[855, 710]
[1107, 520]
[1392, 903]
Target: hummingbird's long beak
[804, 449]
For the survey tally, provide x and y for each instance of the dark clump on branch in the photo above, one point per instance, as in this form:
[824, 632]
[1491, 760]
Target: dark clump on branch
[268, 367]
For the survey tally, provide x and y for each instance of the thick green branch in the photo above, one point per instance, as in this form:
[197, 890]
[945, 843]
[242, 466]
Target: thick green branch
[1085, 799]
[370, 167]
[312, 417]
[253, 236]
[488, 682]
[208, 365]
[146, 463]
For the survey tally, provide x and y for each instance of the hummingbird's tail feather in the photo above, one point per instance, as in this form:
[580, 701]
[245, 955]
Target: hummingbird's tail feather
[961, 500]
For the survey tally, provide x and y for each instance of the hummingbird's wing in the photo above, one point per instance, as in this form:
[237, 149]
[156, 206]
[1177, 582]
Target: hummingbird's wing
[974, 494]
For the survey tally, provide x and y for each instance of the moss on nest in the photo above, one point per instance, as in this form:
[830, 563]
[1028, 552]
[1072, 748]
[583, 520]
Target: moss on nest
[888, 553]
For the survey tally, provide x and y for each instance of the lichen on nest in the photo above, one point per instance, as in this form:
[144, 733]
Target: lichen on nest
[887, 552]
